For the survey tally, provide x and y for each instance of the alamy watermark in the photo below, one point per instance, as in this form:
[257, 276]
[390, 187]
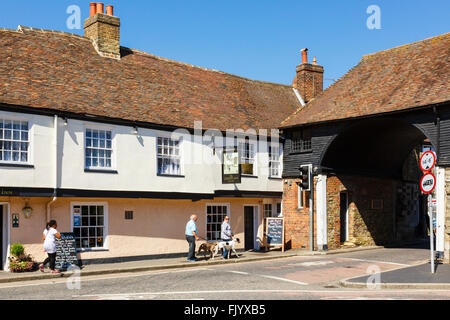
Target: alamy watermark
[374, 280]
[374, 20]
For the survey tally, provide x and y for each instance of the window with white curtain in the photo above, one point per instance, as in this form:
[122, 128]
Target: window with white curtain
[275, 161]
[169, 156]
[98, 149]
[14, 141]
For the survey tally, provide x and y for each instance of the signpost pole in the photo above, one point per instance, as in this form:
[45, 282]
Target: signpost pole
[430, 213]
[311, 210]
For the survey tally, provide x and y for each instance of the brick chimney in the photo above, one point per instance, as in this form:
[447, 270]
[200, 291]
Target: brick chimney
[309, 78]
[104, 30]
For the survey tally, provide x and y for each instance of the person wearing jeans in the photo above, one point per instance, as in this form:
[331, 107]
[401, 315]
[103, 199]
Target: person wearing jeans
[226, 234]
[191, 236]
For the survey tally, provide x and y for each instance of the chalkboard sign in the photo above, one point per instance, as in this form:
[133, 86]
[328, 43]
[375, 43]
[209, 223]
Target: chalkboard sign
[274, 233]
[66, 252]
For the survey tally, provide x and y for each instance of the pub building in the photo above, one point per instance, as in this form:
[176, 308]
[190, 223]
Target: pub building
[87, 139]
[363, 137]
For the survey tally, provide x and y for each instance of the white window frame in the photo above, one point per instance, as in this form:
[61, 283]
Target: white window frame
[255, 156]
[113, 147]
[271, 161]
[220, 222]
[300, 201]
[180, 155]
[271, 215]
[105, 224]
[11, 117]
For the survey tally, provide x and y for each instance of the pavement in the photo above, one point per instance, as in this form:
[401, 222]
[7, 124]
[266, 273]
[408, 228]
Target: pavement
[417, 276]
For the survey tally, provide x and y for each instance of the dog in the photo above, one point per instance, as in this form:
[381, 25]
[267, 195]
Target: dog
[229, 245]
[208, 247]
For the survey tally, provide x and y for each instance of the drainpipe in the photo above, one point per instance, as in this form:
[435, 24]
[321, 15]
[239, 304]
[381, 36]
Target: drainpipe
[55, 183]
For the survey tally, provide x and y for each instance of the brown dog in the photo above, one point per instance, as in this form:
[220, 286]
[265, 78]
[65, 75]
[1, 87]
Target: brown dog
[208, 247]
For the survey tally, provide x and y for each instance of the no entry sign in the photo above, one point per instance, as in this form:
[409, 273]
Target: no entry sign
[428, 161]
[428, 183]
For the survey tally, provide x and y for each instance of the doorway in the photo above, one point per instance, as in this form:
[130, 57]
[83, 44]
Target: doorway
[249, 230]
[344, 217]
[1, 236]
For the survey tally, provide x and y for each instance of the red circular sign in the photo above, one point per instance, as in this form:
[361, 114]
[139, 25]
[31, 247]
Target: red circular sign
[428, 183]
[428, 161]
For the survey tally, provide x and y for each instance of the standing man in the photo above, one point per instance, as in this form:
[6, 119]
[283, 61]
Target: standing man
[191, 236]
[226, 234]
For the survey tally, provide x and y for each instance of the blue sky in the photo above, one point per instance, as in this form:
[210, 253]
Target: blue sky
[256, 39]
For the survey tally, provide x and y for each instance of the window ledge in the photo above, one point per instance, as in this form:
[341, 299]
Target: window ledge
[101, 171]
[300, 152]
[16, 165]
[171, 175]
[275, 178]
[248, 176]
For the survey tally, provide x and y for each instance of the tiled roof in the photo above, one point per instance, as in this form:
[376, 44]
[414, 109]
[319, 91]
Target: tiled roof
[62, 71]
[409, 76]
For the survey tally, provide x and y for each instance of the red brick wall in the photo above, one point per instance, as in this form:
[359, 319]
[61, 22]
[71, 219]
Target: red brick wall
[297, 220]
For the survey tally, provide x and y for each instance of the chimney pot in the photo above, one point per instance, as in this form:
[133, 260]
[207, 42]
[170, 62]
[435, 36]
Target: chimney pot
[309, 78]
[304, 55]
[100, 7]
[110, 10]
[93, 7]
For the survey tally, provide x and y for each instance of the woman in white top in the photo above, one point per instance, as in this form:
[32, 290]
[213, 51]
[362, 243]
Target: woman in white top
[50, 245]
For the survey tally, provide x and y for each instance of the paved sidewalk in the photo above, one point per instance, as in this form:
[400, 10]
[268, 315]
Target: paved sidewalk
[413, 277]
[169, 263]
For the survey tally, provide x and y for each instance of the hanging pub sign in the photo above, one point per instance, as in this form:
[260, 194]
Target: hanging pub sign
[231, 170]
[427, 161]
[428, 183]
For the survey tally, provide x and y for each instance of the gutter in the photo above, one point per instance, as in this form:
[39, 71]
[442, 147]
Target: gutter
[55, 183]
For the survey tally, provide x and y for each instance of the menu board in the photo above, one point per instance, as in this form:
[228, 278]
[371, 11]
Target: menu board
[275, 232]
[66, 251]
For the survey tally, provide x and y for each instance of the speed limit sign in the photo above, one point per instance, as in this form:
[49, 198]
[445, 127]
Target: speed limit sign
[428, 183]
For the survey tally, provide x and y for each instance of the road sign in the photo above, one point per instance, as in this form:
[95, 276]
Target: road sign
[428, 161]
[428, 183]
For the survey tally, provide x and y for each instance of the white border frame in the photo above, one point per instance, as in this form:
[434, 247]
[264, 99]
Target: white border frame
[223, 204]
[6, 235]
[105, 221]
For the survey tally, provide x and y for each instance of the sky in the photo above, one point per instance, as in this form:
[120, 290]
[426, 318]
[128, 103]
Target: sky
[259, 40]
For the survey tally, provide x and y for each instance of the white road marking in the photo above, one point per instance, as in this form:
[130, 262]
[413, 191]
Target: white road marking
[239, 272]
[94, 278]
[311, 263]
[374, 261]
[283, 279]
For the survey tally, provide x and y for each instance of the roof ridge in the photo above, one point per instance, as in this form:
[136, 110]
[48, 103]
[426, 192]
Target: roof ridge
[21, 28]
[407, 45]
[203, 68]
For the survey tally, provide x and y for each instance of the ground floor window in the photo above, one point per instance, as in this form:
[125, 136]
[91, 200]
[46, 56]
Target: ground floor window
[89, 225]
[215, 213]
[268, 210]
